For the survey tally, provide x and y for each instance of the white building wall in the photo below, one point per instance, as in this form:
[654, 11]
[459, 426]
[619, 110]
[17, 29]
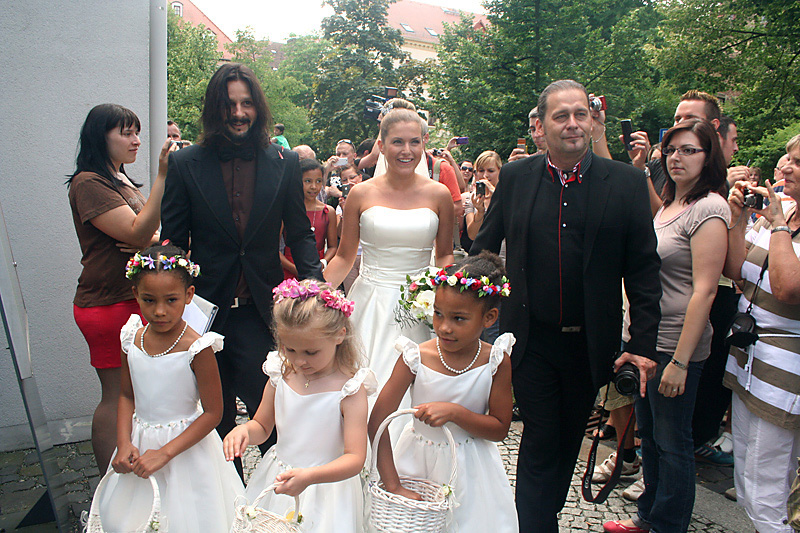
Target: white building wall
[59, 60]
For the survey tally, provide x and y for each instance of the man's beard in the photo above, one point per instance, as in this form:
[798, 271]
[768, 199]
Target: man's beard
[238, 138]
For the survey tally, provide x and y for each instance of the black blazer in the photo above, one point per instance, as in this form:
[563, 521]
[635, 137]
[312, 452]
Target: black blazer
[619, 242]
[195, 209]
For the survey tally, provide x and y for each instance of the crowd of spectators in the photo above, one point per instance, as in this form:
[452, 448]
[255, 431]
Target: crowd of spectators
[675, 221]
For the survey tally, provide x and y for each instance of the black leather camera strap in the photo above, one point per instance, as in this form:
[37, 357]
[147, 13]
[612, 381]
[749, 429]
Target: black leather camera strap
[586, 482]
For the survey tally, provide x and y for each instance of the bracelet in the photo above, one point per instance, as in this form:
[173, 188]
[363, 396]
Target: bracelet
[682, 366]
[601, 135]
[324, 262]
[776, 229]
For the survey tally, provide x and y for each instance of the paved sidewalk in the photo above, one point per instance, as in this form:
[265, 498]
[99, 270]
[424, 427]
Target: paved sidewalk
[21, 484]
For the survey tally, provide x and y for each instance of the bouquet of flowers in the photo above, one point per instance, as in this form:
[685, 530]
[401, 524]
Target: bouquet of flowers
[416, 300]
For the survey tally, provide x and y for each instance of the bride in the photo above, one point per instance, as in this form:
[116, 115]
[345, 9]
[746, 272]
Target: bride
[397, 217]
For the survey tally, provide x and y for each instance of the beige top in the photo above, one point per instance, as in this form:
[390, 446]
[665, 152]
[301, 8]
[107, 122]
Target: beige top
[674, 238]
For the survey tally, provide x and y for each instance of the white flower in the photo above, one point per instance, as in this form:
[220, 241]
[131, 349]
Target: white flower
[251, 512]
[422, 306]
[452, 280]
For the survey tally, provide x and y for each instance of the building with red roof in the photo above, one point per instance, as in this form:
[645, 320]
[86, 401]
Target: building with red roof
[191, 13]
[422, 24]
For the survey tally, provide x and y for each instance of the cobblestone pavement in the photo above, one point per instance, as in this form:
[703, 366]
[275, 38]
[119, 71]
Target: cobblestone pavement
[21, 484]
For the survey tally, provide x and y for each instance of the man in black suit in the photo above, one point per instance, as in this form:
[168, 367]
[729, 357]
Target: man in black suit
[575, 225]
[225, 199]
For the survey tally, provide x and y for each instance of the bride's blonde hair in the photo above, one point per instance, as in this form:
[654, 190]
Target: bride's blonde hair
[399, 115]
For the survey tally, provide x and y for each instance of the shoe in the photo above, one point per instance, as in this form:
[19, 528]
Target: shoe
[724, 443]
[711, 455]
[602, 472]
[633, 492]
[731, 494]
[615, 526]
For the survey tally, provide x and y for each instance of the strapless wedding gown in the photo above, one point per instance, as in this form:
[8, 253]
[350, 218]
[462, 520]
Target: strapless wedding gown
[395, 243]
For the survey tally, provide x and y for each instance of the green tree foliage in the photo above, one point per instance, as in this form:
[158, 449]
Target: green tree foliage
[489, 80]
[281, 90]
[364, 55]
[749, 50]
[301, 58]
[192, 57]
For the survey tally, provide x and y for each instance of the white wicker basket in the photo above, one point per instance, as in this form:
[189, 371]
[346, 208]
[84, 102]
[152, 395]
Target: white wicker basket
[391, 512]
[251, 518]
[155, 522]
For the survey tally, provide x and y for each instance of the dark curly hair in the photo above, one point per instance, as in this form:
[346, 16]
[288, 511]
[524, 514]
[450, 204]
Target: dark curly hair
[484, 264]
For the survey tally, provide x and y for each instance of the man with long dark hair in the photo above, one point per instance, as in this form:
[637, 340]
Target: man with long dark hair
[225, 200]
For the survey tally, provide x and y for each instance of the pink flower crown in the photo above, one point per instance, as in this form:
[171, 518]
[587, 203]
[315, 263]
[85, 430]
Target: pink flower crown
[462, 281]
[291, 288]
[139, 262]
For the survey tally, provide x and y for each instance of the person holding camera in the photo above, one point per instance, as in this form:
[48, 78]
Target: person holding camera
[691, 228]
[575, 225]
[763, 369]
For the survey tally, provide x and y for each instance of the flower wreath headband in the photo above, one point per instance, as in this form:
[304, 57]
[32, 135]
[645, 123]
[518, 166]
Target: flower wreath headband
[462, 281]
[139, 262]
[291, 288]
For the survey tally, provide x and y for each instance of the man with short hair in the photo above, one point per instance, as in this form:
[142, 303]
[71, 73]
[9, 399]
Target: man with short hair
[277, 131]
[577, 224]
[173, 131]
[304, 151]
[225, 200]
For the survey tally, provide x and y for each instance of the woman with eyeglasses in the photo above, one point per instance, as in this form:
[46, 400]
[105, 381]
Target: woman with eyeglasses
[691, 228]
[765, 375]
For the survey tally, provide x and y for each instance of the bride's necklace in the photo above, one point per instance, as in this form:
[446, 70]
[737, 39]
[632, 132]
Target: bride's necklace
[309, 380]
[450, 368]
[174, 344]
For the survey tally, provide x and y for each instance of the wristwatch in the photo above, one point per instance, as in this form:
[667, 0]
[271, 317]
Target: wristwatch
[677, 363]
[776, 229]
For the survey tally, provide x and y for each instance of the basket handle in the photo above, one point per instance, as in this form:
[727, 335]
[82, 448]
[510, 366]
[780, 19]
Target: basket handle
[271, 488]
[155, 510]
[373, 471]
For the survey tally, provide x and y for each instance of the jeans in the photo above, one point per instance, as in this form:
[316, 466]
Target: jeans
[665, 426]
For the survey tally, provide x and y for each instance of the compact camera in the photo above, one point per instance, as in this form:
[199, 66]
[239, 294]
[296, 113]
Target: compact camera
[626, 380]
[437, 152]
[480, 188]
[346, 189]
[597, 103]
[754, 200]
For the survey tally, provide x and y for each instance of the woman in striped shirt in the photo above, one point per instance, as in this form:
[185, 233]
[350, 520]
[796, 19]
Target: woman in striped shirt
[765, 376]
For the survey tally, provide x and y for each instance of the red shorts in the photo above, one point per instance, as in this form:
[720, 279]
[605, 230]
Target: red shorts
[101, 326]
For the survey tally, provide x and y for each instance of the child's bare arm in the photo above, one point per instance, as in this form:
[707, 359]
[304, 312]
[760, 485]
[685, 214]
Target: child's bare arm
[354, 413]
[208, 383]
[388, 401]
[492, 426]
[127, 453]
[254, 431]
[332, 237]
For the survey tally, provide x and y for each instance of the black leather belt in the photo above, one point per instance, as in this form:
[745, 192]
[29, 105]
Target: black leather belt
[240, 301]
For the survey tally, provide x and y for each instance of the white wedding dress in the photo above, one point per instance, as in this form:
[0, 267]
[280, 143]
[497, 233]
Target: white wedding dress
[395, 243]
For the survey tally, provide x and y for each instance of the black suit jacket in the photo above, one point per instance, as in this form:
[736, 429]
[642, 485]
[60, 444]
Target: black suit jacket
[196, 209]
[619, 242]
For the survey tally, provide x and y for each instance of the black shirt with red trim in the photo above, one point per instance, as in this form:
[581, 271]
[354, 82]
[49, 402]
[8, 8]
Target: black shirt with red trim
[555, 279]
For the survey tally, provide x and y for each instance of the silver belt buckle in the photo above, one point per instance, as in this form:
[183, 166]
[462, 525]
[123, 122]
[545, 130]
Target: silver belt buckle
[571, 329]
[235, 302]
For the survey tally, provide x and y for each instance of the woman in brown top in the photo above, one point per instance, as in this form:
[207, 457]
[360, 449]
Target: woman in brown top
[108, 209]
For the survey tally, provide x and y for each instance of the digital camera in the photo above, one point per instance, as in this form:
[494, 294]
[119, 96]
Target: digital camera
[626, 380]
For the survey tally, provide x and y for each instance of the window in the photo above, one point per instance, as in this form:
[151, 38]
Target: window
[432, 32]
[406, 27]
[178, 8]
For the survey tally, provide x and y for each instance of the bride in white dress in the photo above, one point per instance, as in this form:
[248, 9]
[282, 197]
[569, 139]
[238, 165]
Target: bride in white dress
[398, 217]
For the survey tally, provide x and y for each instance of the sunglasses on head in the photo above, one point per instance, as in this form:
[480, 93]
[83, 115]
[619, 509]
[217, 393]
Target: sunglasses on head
[348, 141]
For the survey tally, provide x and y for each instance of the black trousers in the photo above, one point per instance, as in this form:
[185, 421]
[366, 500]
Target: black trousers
[554, 392]
[713, 398]
[247, 341]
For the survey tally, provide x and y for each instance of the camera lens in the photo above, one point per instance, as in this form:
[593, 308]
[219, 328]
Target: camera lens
[626, 380]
